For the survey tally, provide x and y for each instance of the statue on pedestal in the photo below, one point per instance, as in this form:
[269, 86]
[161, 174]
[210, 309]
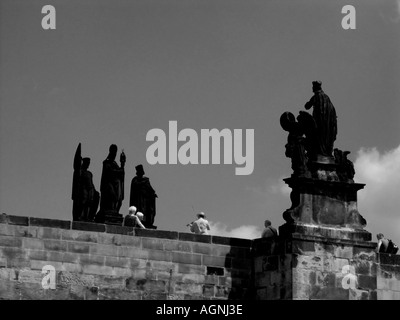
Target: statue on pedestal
[324, 115]
[112, 182]
[84, 194]
[143, 197]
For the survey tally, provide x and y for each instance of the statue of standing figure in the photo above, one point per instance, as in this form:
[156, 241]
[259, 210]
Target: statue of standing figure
[324, 115]
[84, 194]
[112, 182]
[143, 197]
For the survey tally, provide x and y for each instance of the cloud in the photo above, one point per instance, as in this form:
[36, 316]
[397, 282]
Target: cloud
[281, 188]
[245, 232]
[379, 201]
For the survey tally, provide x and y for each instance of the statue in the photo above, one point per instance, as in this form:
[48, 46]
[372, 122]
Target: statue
[112, 182]
[76, 211]
[88, 194]
[84, 194]
[143, 196]
[296, 144]
[324, 115]
[345, 168]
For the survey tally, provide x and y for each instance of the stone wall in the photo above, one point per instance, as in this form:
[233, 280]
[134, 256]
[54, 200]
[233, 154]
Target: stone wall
[388, 277]
[97, 261]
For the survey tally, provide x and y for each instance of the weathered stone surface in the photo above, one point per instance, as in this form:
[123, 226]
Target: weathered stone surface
[88, 226]
[194, 237]
[40, 222]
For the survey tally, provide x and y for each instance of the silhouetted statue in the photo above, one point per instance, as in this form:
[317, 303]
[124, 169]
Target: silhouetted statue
[345, 168]
[296, 143]
[112, 182]
[84, 194]
[76, 206]
[88, 195]
[324, 115]
[143, 196]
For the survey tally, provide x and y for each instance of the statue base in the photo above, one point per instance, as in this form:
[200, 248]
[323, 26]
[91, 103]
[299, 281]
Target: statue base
[324, 208]
[109, 217]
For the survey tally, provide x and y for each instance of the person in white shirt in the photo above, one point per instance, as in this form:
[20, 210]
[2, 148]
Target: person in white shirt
[201, 225]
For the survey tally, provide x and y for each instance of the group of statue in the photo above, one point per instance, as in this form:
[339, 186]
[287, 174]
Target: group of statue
[311, 140]
[86, 199]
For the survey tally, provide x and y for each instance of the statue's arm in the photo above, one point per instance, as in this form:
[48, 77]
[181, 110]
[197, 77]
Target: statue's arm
[309, 104]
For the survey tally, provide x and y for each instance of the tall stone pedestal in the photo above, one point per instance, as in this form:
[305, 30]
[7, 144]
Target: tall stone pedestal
[324, 208]
[323, 251]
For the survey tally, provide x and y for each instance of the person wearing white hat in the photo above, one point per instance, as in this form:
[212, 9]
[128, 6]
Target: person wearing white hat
[133, 218]
[201, 225]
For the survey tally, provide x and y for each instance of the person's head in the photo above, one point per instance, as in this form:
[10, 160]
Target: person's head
[85, 163]
[140, 215]
[132, 210]
[112, 152]
[139, 171]
[267, 223]
[380, 236]
[316, 86]
[201, 215]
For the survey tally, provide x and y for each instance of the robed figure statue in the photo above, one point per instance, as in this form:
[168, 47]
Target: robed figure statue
[143, 197]
[112, 182]
[324, 115]
[84, 194]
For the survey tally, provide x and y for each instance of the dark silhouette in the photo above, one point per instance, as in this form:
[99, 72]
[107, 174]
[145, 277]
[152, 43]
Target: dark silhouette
[89, 197]
[143, 196]
[345, 168]
[76, 207]
[324, 115]
[84, 195]
[296, 144]
[269, 231]
[112, 182]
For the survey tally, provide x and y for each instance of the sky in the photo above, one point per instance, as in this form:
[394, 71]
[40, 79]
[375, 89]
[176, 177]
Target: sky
[111, 71]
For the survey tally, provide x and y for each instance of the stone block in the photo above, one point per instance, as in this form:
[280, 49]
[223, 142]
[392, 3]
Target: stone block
[233, 242]
[303, 247]
[78, 247]
[79, 236]
[132, 252]
[197, 278]
[55, 245]
[117, 262]
[262, 279]
[187, 258]
[63, 256]
[96, 269]
[245, 264]
[37, 254]
[104, 250]
[342, 251]
[18, 220]
[88, 226]
[310, 262]
[119, 229]
[6, 230]
[208, 290]
[152, 244]
[129, 241]
[38, 265]
[72, 267]
[51, 223]
[159, 255]
[151, 233]
[6, 241]
[225, 281]
[301, 291]
[270, 263]
[190, 268]
[205, 249]
[194, 237]
[171, 245]
[32, 243]
[216, 261]
[92, 259]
